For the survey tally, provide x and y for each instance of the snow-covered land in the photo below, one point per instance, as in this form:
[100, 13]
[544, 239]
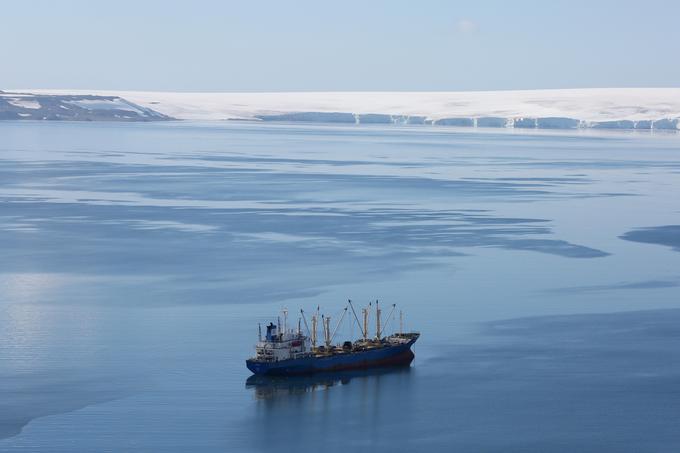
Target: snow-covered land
[73, 107]
[628, 108]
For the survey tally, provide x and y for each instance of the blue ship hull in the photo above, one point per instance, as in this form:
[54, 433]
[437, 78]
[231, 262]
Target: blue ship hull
[386, 356]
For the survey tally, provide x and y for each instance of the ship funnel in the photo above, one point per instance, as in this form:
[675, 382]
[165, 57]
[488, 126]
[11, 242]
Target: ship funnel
[271, 332]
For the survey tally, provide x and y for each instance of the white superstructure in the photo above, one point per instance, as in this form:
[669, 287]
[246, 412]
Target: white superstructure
[281, 345]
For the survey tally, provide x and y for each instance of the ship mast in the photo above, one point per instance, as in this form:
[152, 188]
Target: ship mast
[401, 322]
[338, 324]
[326, 323]
[304, 318]
[365, 312]
[389, 318]
[328, 332]
[363, 330]
[313, 331]
[377, 320]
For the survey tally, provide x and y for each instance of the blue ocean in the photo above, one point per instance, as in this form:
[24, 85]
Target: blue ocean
[541, 268]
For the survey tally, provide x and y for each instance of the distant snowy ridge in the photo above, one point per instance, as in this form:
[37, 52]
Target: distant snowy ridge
[620, 108]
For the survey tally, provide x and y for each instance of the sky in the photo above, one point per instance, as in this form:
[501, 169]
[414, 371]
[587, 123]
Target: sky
[426, 45]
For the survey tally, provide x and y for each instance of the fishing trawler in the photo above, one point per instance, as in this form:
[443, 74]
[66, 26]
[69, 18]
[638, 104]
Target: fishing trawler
[285, 351]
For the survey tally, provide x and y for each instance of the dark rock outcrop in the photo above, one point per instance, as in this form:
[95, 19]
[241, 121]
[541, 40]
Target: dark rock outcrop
[26, 106]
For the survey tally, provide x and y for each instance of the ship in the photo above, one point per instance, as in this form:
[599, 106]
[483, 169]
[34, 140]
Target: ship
[289, 352]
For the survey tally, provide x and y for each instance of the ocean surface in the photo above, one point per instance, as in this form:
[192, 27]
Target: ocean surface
[136, 260]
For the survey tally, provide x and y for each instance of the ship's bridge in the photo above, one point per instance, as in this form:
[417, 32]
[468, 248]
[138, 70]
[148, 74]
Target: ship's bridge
[281, 345]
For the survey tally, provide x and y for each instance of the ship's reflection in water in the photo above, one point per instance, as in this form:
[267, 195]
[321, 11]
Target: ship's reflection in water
[282, 387]
[352, 409]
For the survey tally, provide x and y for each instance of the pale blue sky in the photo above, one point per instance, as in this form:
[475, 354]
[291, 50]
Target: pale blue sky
[204, 45]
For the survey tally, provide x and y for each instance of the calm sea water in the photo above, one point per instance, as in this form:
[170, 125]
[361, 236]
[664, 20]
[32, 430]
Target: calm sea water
[136, 260]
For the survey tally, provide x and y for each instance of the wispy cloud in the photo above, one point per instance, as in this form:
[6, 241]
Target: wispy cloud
[466, 26]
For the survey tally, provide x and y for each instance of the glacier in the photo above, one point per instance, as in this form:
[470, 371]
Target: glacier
[599, 108]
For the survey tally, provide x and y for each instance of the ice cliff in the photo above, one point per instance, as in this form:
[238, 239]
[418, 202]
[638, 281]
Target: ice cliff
[606, 108]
